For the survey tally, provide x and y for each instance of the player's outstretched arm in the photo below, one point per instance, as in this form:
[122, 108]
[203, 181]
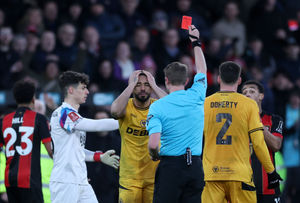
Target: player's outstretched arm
[199, 57]
[118, 107]
[93, 125]
[109, 158]
[157, 90]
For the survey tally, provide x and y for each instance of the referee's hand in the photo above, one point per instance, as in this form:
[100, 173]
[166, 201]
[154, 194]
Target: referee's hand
[193, 33]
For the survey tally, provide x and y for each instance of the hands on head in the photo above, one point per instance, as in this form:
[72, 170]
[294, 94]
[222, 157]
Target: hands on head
[134, 77]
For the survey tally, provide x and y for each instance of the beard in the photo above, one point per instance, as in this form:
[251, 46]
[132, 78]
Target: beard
[142, 98]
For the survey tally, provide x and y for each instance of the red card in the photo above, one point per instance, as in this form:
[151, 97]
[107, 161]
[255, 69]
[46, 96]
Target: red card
[186, 22]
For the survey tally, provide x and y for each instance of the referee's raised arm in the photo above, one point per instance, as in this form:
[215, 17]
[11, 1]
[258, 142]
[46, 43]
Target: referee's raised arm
[199, 57]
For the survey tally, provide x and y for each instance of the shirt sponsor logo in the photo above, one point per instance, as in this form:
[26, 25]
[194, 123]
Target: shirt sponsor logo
[73, 116]
[136, 132]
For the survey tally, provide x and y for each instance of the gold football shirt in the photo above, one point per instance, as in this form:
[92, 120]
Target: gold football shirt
[135, 160]
[230, 121]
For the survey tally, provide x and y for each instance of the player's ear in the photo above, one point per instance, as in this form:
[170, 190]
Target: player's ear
[70, 89]
[239, 80]
[33, 100]
[261, 96]
[219, 79]
[166, 80]
[186, 82]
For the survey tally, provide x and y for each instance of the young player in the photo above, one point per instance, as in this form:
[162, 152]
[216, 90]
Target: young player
[273, 137]
[68, 181]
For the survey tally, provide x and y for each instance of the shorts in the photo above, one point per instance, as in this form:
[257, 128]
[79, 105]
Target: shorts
[232, 191]
[137, 191]
[69, 192]
[175, 181]
[28, 195]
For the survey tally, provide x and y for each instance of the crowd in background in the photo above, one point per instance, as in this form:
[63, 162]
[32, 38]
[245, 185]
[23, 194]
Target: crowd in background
[109, 39]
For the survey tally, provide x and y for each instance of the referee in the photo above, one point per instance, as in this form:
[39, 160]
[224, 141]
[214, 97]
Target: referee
[176, 121]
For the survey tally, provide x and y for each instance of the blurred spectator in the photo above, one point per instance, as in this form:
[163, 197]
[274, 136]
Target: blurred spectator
[44, 52]
[9, 60]
[267, 21]
[2, 18]
[51, 16]
[141, 44]
[281, 85]
[149, 65]
[123, 65]
[109, 26]
[231, 27]
[33, 40]
[66, 48]
[103, 80]
[290, 63]
[75, 16]
[255, 72]
[167, 52]
[184, 7]
[131, 16]
[255, 55]
[213, 53]
[50, 77]
[159, 25]
[19, 44]
[188, 61]
[90, 51]
[32, 20]
[104, 179]
[291, 148]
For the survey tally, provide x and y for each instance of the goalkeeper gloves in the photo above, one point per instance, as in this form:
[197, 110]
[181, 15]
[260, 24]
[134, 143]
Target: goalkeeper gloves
[273, 180]
[109, 158]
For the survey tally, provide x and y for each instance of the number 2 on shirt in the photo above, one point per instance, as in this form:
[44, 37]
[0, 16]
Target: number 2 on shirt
[221, 134]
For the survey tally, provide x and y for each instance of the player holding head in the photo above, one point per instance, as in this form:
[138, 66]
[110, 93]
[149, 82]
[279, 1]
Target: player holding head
[68, 181]
[137, 171]
[273, 137]
[22, 132]
[230, 118]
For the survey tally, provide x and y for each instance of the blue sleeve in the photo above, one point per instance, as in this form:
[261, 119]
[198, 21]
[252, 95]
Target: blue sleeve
[153, 120]
[198, 89]
[69, 119]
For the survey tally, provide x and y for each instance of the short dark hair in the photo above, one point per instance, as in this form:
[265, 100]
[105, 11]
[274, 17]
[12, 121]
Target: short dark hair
[23, 91]
[259, 86]
[229, 72]
[177, 73]
[69, 78]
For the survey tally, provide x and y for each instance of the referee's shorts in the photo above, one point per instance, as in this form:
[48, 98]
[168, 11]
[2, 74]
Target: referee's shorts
[175, 181]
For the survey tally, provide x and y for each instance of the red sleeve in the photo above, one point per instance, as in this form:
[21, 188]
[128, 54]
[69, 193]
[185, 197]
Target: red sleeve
[277, 125]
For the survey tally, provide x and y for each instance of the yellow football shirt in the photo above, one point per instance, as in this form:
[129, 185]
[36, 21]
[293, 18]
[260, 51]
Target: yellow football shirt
[231, 119]
[135, 162]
